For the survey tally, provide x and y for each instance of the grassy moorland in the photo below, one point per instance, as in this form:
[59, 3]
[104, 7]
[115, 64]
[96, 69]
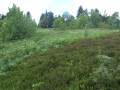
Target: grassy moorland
[47, 37]
[89, 64]
[14, 52]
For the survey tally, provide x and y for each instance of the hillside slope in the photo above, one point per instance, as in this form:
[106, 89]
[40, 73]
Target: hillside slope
[70, 66]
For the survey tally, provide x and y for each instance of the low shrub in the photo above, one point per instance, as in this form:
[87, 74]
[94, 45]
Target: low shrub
[103, 25]
[67, 67]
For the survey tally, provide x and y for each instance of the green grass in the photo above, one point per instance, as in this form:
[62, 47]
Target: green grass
[68, 67]
[16, 51]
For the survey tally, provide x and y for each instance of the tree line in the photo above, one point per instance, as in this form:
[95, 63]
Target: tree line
[16, 25]
[84, 19]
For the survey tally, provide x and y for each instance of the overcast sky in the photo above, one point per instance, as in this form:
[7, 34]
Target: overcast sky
[36, 7]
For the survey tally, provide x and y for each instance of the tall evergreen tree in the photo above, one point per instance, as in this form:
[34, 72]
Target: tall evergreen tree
[46, 20]
[96, 10]
[50, 19]
[86, 12]
[80, 11]
[105, 17]
[2, 16]
[43, 21]
[28, 14]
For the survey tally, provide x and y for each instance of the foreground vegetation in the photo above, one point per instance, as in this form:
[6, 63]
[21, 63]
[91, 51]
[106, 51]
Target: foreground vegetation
[71, 66]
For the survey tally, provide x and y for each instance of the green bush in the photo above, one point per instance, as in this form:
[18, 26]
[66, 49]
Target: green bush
[103, 25]
[59, 23]
[95, 18]
[82, 20]
[90, 25]
[111, 23]
[16, 25]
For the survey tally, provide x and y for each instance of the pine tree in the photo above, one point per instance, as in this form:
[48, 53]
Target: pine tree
[80, 11]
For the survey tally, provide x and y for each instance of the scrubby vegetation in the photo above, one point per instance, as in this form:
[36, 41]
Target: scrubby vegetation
[89, 64]
[16, 25]
[14, 52]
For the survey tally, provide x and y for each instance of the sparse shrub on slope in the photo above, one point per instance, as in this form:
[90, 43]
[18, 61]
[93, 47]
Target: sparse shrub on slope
[103, 74]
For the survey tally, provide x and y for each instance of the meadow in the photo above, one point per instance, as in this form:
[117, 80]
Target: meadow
[14, 52]
[57, 60]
